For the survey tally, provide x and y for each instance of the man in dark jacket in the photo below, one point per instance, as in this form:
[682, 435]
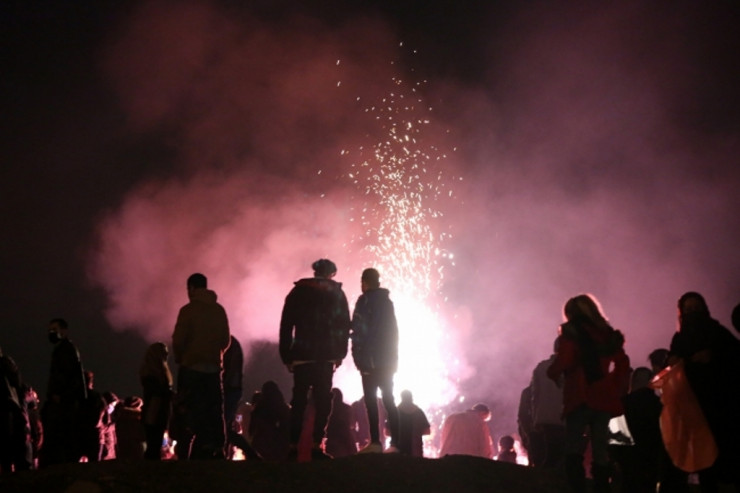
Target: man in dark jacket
[375, 352]
[314, 333]
[65, 396]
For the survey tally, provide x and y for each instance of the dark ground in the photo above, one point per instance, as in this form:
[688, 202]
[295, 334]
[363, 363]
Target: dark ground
[380, 473]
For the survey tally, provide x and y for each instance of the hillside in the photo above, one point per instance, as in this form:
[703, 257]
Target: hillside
[357, 474]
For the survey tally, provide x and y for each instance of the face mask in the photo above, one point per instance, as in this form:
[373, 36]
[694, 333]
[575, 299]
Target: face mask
[54, 337]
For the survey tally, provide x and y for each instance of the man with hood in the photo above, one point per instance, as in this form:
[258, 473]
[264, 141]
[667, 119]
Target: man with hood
[375, 352]
[314, 334]
[200, 338]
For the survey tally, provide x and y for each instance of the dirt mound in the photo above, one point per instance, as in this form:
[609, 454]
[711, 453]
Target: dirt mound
[381, 473]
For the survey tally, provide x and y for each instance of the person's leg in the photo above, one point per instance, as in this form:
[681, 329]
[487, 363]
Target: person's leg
[554, 446]
[575, 444]
[154, 435]
[322, 383]
[207, 415]
[215, 415]
[370, 393]
[600, 470]
[301, 374]
[389, 403]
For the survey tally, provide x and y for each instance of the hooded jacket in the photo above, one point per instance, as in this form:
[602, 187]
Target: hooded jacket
[585, 356]
[314, 325]
[375, 332]
[201, 332]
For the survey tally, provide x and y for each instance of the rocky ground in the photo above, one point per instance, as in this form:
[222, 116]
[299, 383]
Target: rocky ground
[381, 473]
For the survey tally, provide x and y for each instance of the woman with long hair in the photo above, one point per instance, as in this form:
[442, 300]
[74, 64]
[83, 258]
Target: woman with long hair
[593, 369]
[156, 379]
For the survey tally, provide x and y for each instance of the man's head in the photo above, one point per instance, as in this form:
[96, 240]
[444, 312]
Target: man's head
[658, 359]
[692, 308]
[370, 279]
[325, 268]
[57, 330]
[640, 378]
[196, 281]
[482, 411]
[406, 396]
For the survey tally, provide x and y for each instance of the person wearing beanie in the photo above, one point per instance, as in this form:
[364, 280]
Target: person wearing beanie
[314, 335]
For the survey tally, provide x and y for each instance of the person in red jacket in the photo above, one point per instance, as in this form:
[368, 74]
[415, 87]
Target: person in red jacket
[593, 369]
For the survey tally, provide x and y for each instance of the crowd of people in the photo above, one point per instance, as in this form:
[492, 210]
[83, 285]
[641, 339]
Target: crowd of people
[586, 410]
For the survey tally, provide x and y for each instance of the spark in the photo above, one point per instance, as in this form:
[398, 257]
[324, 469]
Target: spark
[400, 183]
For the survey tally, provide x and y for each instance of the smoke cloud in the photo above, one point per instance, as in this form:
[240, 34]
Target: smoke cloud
[589, 158]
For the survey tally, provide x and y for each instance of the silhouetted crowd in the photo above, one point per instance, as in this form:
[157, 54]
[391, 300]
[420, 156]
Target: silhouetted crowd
[586, 411]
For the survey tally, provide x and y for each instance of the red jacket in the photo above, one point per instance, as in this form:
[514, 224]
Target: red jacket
[611, 362]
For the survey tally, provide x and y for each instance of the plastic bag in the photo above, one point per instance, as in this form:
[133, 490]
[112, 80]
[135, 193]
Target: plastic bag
[686, 434]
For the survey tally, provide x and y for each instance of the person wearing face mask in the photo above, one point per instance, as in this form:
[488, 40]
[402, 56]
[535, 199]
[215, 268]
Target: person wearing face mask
[66, 392]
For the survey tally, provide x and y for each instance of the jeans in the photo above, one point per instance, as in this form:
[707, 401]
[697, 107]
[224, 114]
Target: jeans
[371, 382]
[317, 377]
[202, 396]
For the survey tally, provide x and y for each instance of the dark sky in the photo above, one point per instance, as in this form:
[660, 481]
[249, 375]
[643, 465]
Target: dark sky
[564, 149]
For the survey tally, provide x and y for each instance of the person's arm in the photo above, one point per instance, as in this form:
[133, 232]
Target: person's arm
[287, 324]
[565, 359]
[180, 335]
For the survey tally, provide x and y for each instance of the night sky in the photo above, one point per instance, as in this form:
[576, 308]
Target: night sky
[576, 147]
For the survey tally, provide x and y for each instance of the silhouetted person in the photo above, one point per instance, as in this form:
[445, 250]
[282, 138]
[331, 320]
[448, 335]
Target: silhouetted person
[66, 393]
[658, 359]
[710, 354]
[466, 433]
[269, 423]
[242, 422]
[547, 439]
[595, 367]
[15, 441]
[524, 422]
[375, 353]
[233, 377]
[36, 429]
[180, 430]
[156, 382]
[109, 427]
[413, 425]
[340, 435]
[506, 451]
[200, 338]
[361, 422]
[92, 414]
[314, 334]
[130, 439]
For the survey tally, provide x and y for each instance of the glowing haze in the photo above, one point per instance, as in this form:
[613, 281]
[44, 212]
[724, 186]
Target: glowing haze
[583, 160]
[268, 183]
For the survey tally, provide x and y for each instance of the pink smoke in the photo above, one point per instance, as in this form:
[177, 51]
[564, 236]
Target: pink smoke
[578, 176]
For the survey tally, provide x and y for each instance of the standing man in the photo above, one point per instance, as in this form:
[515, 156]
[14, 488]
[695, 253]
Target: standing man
[200, 338]
[375, 352]
[314, 333]
[66, 393]
[547, 438]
